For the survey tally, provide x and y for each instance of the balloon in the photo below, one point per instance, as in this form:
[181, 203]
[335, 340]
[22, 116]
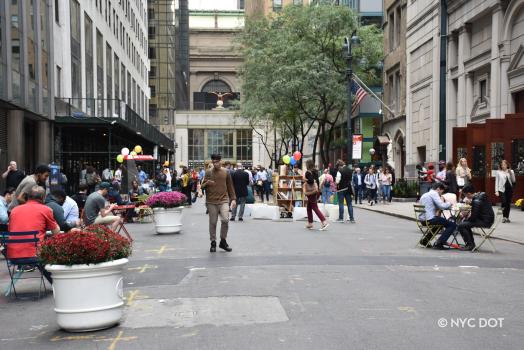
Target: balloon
[124, 151]
[138, 149]
[286, 159]
[133, 153]
[120, 158]
[292, 161]
[297, 155]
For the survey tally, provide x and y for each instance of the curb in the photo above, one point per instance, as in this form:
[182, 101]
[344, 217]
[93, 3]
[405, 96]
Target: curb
[401, 216]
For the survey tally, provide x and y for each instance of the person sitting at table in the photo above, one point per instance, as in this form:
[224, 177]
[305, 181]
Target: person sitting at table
[135, 191]
[31, 216]
[432, 203]
[482, 215]
[71, 211]
[55, 200]
[96, 211]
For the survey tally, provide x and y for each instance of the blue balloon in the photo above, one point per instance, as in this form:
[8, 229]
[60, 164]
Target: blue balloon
[292, 161]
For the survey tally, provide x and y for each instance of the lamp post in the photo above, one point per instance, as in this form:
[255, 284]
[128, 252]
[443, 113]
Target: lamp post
[349, 74]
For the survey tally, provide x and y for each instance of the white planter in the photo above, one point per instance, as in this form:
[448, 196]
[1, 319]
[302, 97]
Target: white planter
[168, 220]
[88, 297]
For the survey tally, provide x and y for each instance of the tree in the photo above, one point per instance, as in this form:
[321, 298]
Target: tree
[294, 70]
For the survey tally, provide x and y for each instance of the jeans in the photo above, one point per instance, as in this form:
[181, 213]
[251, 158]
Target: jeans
[359, 193]
[216, 210]
[312, 206]
[465, 230]
[241, 202]
[267, 189]
[386, 190]
[326, 194]
[449, 228]
[347, 196]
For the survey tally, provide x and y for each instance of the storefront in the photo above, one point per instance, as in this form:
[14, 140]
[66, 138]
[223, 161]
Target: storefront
[485, 145]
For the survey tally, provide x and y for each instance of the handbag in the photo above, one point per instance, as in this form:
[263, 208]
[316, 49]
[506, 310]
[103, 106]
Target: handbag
[260, 183]
[461, 181]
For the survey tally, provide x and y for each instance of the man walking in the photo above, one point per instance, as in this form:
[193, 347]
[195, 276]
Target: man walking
[345, 191]
[219, 191]
[240, 183]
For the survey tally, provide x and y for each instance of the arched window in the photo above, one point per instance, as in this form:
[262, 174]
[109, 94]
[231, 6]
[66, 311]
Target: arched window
[216, 85]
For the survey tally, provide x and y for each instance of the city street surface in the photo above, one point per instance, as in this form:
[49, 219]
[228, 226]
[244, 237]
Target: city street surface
[354, 286]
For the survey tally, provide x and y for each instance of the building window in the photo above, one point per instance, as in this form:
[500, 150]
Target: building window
[90, 88]
[57, 11]
[109, 81]
[277, 5]
[221, 141]
[241, 4]
[196, 146]
[391, 31]
[59, 81]
[151, 32]
[153, 90]
[244, 145]
[150, 14]
[483, 91]
[152, 72]
[76, 60]
[100, 73]
[216, 85]
[518, 156]
[153, 110]
[152, 52]
[398, 21]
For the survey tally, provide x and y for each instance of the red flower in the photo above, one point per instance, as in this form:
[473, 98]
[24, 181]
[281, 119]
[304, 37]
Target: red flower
[93, 245]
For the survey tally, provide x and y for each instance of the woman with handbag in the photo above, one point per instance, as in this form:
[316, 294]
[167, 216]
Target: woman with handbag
[463, 173]
[504, 183]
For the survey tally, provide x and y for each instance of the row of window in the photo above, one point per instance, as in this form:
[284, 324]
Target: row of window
[234, 145]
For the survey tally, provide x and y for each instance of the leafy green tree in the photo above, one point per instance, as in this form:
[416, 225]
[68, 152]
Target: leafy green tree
[294, 71]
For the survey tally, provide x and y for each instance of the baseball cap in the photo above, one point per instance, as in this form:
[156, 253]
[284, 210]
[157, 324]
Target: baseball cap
[104, 186]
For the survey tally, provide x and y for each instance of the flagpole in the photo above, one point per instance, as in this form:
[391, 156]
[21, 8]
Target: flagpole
[372, 93]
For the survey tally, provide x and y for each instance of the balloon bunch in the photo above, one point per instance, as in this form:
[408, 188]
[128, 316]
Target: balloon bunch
[124, 152]
[292, 160]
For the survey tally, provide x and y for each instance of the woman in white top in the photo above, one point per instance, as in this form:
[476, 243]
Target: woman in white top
[504, 182]
[463, 173]
[386, 178]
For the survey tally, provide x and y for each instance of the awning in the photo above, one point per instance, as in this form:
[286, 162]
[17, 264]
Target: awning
[383, 140]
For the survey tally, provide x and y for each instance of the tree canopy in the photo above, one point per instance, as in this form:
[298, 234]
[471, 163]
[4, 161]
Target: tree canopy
[294, 71]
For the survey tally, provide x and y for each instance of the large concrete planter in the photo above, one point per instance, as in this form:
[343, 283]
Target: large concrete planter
[88, 297]
[168, 220]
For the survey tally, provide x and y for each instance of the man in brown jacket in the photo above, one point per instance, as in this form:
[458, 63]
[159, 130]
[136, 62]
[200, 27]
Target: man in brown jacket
[219, 191]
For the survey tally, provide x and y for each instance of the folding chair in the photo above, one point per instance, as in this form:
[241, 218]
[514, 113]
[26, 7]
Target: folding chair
[12, 263]
[486, 232]
[424, 226]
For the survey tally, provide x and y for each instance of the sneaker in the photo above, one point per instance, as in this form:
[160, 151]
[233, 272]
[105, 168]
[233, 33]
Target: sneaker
[213, 247]
[26, 268]
[468, 247]
[508, 220]
[240, 219]
[340, 220]
[232, 219]
[440, 246]
[309, 226]
[223, 245]
[352, 221]
[324, 226]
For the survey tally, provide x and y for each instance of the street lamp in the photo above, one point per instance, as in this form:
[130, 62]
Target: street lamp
[348, 43]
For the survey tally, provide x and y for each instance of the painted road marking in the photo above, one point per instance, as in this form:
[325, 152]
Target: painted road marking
[142, 269]
[134, 295]
[161, 250]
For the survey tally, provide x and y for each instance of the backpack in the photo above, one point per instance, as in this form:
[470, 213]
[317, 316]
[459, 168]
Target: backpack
[91, 179]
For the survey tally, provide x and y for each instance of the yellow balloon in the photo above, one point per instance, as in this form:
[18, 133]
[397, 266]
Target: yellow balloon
[138, 149]
[120, 158]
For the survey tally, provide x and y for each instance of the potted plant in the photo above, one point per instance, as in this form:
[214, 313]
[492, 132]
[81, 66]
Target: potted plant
[86, 267]
[167, 211]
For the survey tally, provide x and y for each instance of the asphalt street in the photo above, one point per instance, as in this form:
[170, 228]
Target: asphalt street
[354, 286]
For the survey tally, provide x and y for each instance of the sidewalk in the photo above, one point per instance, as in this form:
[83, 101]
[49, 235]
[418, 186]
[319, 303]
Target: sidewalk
[512, 232]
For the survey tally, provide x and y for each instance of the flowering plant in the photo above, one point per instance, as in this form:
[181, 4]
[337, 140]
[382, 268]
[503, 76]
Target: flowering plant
[166, 200]
[519, 202]
[95, 244]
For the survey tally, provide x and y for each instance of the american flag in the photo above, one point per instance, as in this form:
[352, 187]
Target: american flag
[359, 93]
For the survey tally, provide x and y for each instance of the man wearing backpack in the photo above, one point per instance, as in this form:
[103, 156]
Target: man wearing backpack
[326, 185]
